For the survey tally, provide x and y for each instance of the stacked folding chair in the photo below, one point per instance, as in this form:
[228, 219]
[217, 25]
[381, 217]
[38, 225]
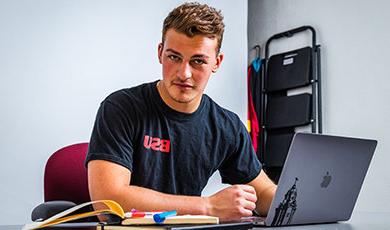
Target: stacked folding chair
[290, 99]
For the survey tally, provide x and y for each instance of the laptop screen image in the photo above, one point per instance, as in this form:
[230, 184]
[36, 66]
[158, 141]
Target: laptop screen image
[321, 179]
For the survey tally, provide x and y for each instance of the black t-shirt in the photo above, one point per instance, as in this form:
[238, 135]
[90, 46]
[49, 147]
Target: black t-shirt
[170, 151]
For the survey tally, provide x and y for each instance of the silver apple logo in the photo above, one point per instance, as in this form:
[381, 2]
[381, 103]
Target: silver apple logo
[326, 180]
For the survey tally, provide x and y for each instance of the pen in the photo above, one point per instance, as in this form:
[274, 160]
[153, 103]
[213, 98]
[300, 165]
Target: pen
[160, 217]
[137, 214]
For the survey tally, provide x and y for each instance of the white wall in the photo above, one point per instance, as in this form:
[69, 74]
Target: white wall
[59, 59]
[355, 70]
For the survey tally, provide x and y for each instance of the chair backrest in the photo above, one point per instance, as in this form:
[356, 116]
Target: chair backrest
[290, 99]
[66, 176]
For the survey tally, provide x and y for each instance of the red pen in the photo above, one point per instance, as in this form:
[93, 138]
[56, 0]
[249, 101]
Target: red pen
[138, 214]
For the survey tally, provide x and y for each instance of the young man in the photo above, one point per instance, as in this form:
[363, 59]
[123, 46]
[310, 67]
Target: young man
[154, 146]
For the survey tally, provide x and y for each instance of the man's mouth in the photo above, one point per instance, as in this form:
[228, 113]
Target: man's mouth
[183, 85]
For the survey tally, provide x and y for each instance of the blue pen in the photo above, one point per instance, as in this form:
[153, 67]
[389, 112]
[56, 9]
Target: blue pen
[160, 217]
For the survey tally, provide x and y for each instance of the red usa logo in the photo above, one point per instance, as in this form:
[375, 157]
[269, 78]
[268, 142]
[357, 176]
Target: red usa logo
[157, 144]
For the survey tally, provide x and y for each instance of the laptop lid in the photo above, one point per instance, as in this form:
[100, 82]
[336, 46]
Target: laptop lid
[321, 179]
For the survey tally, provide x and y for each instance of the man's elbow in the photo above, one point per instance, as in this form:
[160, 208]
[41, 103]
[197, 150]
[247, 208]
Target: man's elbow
[107, 181]
[101, 193]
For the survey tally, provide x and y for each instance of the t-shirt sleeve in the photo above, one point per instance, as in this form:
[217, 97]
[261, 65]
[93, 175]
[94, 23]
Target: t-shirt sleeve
[111, 137]
[242, 165]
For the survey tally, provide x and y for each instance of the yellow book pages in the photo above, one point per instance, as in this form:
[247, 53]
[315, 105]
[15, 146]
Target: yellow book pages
[181, 219]
[111, 208]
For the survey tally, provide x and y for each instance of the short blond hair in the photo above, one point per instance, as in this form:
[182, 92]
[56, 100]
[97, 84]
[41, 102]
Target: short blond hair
[193, 18]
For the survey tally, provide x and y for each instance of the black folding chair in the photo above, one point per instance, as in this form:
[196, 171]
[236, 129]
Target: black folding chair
[284, 112]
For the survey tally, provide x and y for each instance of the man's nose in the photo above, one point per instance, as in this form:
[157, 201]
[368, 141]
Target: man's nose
[184, 71]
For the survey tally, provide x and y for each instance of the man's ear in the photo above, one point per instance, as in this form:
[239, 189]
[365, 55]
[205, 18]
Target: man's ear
[217, 63]
[160, 49]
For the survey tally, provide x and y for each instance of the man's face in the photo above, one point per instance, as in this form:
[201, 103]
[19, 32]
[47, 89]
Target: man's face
[187, 64]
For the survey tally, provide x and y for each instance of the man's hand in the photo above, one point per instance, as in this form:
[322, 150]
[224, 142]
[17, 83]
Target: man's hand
[232, 202]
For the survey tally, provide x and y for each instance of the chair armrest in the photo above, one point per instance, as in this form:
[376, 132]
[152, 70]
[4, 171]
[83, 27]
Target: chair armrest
[49, 209]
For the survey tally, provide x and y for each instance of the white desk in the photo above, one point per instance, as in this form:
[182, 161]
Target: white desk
[359, 221]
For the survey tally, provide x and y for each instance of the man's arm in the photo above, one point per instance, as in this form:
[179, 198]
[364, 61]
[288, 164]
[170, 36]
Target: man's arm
[265, 191]
[107, 180]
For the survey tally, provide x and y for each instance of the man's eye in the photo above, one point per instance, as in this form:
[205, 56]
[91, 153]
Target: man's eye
[198, 61]
[173, 57]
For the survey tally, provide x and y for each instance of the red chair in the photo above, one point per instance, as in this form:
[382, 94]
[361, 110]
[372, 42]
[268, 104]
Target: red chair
[65, 175]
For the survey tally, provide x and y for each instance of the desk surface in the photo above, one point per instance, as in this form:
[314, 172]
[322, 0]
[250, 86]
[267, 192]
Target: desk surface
[359, 221]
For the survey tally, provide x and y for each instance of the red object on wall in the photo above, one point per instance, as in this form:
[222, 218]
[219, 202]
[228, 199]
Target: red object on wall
[253, 124]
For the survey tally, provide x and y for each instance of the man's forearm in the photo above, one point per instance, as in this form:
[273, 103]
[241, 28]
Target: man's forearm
[263, 204]
[147, 199]
[265, 191]
[102, 186]
[228, 204]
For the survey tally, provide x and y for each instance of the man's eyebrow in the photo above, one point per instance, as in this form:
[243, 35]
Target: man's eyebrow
[173, 51]
[200, 56]
[194, 56]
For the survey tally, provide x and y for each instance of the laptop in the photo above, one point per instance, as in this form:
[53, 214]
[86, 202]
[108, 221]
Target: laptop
[320, 181]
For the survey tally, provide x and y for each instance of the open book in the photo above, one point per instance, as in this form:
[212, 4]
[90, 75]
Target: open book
[113, 208]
